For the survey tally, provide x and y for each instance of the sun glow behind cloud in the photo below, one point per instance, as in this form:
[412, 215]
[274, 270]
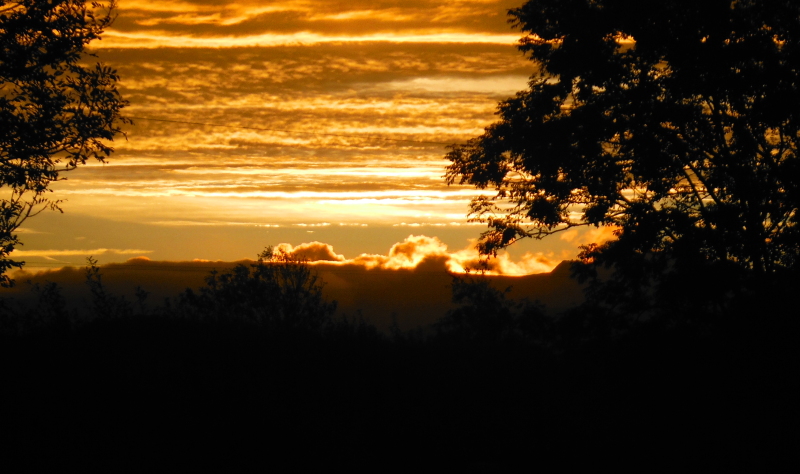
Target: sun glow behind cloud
[417, 251]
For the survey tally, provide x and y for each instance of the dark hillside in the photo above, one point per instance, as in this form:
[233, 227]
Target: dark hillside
[124, 391]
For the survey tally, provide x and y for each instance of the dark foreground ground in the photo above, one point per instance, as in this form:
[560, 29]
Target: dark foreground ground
[151, 392]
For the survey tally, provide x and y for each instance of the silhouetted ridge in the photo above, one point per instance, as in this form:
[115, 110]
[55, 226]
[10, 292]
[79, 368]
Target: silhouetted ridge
[491, 389]
[563, 269]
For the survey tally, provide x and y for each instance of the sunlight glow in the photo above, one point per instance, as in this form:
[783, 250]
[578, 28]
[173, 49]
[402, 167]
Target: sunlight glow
[161, 39]
[259, 122]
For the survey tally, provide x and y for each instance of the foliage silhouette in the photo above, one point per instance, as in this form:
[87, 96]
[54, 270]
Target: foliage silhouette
[132, 384]
[105, 305]
[51, 309]
[55, 112]
[675, 122]
[279, 292]
[486, 315]
[49, 313]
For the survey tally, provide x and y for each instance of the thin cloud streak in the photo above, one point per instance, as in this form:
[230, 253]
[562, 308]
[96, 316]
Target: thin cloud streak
[162, 39]
[320, 17]
[420, 197]
[74, 252]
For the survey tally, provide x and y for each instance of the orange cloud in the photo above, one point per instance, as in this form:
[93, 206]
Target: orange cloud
[418, 252]
[160, 39]
[409, 286]
[412, 251]
[247, 22]
[311, 251]
[73, 252]
[592, 235]
[503, 264]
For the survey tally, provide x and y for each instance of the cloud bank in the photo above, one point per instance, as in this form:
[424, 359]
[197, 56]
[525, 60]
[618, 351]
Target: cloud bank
[192, 23]
[408, 286]
[423, 252]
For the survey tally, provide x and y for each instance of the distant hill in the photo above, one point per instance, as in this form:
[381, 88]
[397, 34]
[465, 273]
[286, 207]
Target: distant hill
[411, 297]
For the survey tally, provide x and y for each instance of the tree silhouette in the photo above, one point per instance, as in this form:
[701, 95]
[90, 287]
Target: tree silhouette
[105, 305]
[486, 315]
[55, 111]
[676, 122]
[278, 292]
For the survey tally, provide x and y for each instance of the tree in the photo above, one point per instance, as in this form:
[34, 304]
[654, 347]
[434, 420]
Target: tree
[677, 122]
[486, 315]
[56, 112]
[278, 292]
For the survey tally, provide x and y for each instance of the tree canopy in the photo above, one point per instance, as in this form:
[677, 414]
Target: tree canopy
[279, 292]
[677, 122]
[56, 111]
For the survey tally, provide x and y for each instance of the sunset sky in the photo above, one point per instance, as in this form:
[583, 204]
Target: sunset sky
[259, 123]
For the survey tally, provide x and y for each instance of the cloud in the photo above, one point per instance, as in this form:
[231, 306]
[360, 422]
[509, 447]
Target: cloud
[423, 253]
[164, 39]
[492, 85]
[375, 94]
[409, 285]
[311, 251]
[73, 252]
[503, 264]
[415, 252]
[592, 235]
[222, 24]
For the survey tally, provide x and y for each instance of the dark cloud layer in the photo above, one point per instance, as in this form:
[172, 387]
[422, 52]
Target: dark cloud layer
[410, 285]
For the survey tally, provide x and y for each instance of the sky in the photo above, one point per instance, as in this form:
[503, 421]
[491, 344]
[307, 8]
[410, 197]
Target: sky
[313, 123]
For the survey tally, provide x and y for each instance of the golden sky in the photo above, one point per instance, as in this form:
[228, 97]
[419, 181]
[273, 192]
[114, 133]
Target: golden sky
[290, 122]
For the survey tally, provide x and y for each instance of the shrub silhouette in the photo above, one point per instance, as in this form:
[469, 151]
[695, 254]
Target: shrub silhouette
[104, 304]
[51, 308]
[485, 314]
[48, 313]
[279, 291]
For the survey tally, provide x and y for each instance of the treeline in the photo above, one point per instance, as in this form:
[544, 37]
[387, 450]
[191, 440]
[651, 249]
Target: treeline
[256, 366]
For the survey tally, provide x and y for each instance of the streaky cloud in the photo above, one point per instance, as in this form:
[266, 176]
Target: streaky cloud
[164, 39]
[75, 252]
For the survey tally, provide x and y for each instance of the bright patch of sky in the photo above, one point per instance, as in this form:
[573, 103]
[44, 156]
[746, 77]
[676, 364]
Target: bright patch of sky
[267, 117]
